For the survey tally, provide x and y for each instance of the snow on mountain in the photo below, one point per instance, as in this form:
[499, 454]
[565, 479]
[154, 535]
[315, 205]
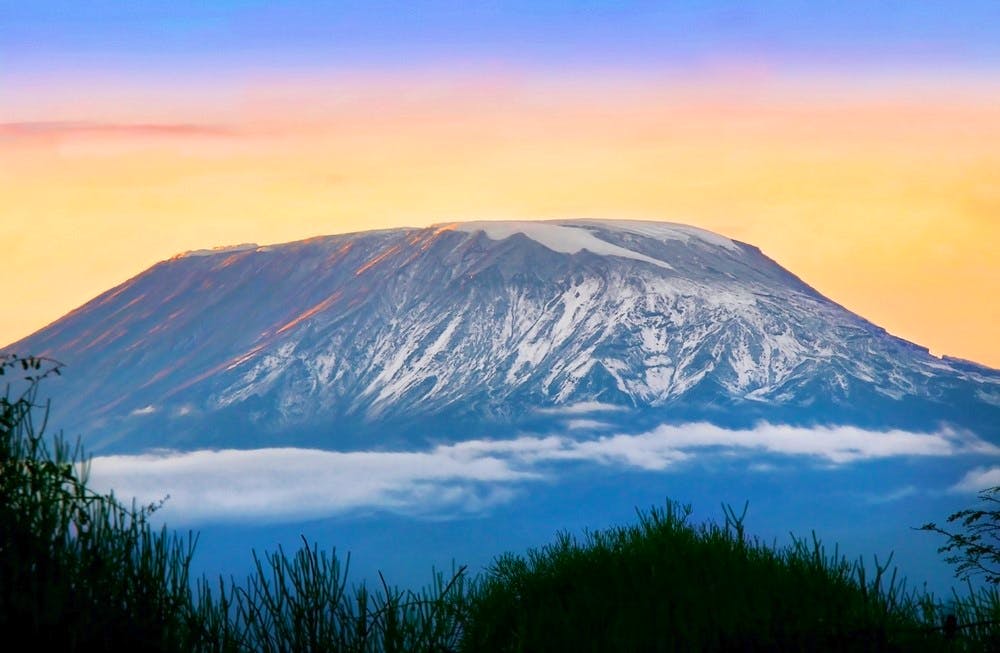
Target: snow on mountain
[573, 236]
[481, 327]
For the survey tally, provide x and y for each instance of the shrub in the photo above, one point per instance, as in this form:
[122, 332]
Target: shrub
[301, 603]
[664, 585]
[975, 550]
[78, 570]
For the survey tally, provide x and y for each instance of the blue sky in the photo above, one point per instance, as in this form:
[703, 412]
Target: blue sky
[198, 36]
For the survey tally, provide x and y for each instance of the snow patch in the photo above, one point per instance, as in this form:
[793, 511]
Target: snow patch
[664, 231]
[564, 238]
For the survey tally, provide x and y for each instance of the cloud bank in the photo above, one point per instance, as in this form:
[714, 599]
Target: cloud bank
[977, 480]
[474, 475]
[277, 484]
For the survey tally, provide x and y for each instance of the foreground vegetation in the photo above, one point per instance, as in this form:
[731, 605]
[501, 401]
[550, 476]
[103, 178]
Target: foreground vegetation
[664, 585]
[80, 571]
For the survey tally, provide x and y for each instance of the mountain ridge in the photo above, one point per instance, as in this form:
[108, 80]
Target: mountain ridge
[471, 328]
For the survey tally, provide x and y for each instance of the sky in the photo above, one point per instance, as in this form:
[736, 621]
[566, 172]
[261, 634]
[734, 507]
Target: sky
[856, 143]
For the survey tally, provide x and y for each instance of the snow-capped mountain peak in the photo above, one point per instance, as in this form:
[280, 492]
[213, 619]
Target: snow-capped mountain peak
[478, 327]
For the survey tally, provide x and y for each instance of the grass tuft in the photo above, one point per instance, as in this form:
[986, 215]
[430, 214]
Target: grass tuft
[666, 585]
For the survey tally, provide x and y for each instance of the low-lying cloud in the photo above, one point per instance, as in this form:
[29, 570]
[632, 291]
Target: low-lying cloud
[474, 475]
[296, 483]
[977, 480]
[668, 444]
[581, 408]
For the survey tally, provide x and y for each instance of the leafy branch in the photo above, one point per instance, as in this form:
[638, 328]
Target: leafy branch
[975, 550]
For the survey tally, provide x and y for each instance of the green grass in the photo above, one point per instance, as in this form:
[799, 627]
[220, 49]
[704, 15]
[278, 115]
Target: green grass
[666, 585]
[79, 571]
[302, 603]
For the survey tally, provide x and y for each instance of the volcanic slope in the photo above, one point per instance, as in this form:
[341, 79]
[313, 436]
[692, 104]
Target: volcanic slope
[483, 328]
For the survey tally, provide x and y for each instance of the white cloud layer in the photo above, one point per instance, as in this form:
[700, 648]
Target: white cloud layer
[295, 483]
[581, 408]
[978, 479]
[471, 476]
[667, 444]
[587, 425]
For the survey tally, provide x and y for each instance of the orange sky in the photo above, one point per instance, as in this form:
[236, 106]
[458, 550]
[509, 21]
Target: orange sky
[887, 200]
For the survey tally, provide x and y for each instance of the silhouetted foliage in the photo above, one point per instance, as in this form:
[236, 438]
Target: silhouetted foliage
[78, 570]
[665, 585]
[976, 549]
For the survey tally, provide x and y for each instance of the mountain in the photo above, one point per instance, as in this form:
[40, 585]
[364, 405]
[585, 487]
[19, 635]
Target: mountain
[483, 328]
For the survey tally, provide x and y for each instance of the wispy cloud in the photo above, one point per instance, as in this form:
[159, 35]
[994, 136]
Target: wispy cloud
[581, 408]
[976, 480]
[294, 483]
[587, 425]
[473, 475]
[835, 444]
[668, 444]
[893, 495]
[59, 128]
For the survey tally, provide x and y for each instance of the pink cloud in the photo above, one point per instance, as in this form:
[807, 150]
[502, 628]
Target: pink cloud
[62, 128]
